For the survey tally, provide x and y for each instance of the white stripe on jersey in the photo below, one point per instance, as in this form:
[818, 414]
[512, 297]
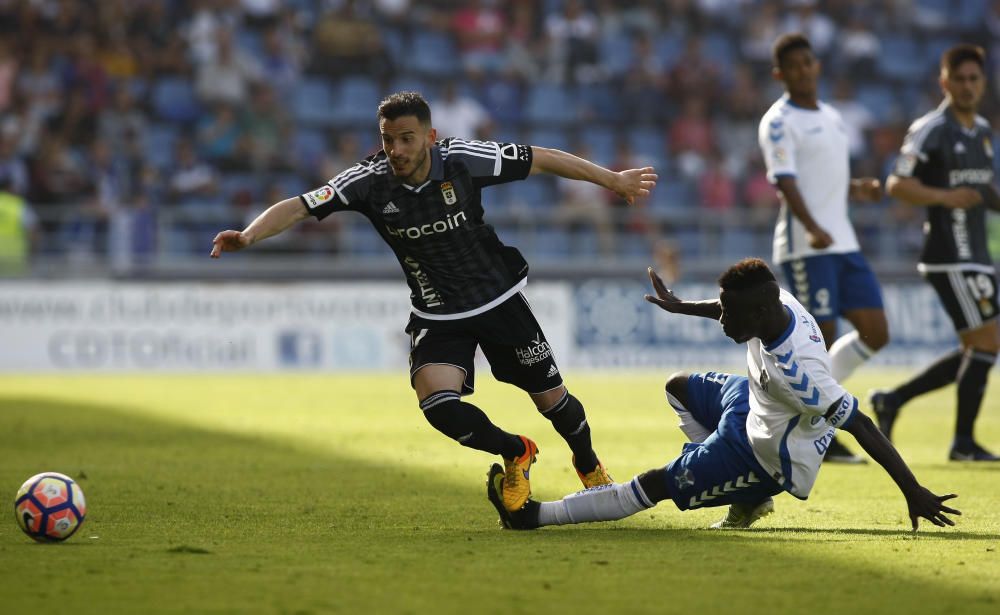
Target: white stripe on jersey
[470, 151]
[348, 177]
[919, 130]
[485, 145]
[965, 300]
[945, 267]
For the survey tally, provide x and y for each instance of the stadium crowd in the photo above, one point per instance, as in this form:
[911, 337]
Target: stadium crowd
[131, 127]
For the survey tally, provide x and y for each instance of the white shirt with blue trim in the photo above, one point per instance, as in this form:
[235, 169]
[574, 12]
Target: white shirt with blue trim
[790, 424]
[811, 146]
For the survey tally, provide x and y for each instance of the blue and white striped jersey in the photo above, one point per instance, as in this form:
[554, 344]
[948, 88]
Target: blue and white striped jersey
[795, 403]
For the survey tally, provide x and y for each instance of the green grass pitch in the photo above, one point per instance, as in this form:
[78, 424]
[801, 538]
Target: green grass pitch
[331, 494]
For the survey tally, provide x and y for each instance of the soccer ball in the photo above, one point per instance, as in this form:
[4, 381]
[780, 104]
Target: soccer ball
[50, 507]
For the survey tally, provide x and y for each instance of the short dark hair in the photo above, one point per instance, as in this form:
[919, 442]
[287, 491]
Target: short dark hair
[963, 52]
[747, 274]
[405, 103]
[786, 44]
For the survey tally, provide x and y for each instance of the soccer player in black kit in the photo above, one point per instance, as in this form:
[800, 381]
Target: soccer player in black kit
[946, 165]
[423, 196]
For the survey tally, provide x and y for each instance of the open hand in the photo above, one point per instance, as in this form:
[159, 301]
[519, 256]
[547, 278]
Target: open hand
[228, 241]
[923, 503]
[665, 298]
[635, 183]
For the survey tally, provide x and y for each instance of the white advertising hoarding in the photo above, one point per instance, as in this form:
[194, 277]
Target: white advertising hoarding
[220, 327]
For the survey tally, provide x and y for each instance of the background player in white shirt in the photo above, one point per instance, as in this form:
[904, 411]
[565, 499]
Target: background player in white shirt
[752, 436]
[805, 147]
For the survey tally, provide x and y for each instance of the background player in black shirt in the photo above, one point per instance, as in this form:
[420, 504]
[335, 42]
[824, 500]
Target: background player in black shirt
[946, 165]
[423, 196]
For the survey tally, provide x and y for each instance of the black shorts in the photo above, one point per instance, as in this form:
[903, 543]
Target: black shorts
[968, 295]
[509, 335]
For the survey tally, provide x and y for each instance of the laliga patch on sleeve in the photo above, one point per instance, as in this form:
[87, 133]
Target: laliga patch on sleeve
[318, 197]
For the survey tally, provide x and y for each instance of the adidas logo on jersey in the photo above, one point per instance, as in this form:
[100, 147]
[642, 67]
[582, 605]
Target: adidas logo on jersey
[552, 371]
[390, 208]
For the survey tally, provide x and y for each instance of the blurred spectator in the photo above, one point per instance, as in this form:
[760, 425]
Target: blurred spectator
[267, 129]
[480, 28]
[227, 77]
[345, 42]
[857, 117]
[643, 97]
[203, 30]
[19, 232]
[573, 44]
[58, 172]
[192, 181]
[633, 218]
[716, 189]
[281, 59]
[347, 154]
[116, 57]
[762, 29]
[86, 76]
[13, 169]
[454, 115]
[582, 205]
[692, 73]
[804, 17]
[123, 125]
[759, 194]
[39, 83]
[691, 137]
[10, 64]
[860, 50]
[525, 51]
[221, 138]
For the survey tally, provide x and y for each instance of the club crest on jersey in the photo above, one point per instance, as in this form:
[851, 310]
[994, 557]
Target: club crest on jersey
[988, 146]
[449, 194]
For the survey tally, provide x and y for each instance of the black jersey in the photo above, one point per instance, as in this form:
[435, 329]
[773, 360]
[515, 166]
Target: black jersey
[455, 264]
[942, 153]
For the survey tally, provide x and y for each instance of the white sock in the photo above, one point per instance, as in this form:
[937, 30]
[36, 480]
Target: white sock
[846, 354]
[694, 430]
[604, 503]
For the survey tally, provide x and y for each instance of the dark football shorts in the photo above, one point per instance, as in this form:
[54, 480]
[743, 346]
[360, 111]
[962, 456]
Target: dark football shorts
[511, 339]
[969, 296]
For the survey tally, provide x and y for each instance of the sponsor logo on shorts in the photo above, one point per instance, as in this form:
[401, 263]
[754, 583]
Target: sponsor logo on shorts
[823, 443]
[537, 350]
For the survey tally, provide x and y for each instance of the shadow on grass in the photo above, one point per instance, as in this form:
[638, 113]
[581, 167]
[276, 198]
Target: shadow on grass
[178, 513]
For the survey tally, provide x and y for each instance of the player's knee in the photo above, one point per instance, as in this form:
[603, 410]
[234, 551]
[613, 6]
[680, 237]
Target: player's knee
[654, 484]
[676, 387]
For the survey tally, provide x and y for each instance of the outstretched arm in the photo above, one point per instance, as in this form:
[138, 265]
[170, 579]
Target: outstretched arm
[274, 220]
[919, 500]
[667, 300]
[912, 191]
[865, 189]
[626, 184]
